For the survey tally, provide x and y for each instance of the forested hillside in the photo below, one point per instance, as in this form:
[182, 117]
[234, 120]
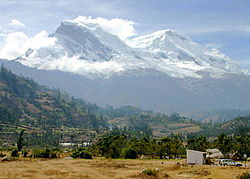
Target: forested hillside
[39, 110]
[238, 126]
[50, 117]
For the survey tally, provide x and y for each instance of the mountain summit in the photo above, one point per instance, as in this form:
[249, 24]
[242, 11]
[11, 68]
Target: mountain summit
[164, 71]
[98, 52]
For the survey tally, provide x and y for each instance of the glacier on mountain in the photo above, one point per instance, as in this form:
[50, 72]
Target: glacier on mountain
[85, 48]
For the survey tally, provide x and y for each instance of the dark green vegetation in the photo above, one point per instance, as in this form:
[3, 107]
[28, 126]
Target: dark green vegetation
[125, 146]
[43, 153]
[35, 153]
[47, 116]
[81, 153]
[244, 176]
[130, 147]
[227, 144]
[32, 115]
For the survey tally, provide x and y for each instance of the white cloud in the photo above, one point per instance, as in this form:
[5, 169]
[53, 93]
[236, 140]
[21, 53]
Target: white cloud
[13, 45]
[121, 27]
[17, 43]
[16, 22]
[41, 39]
[75, 65]
[4, 32]
[83, 67]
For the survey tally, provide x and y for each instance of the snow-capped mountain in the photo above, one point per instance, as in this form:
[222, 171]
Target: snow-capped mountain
[180, 53]
[87, 49]
[164, 71]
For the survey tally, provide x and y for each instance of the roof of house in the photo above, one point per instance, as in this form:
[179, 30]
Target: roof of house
[214, 153]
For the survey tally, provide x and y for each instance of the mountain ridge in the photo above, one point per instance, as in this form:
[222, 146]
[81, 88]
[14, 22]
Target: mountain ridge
[167, 73]
[97, 51]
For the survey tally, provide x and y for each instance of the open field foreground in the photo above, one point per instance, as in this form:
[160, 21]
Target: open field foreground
[106, 169]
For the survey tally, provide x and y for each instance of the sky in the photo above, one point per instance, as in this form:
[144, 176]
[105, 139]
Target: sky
[223, 24]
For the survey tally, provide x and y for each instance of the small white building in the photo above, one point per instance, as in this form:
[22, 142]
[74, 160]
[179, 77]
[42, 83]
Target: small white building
[214, 153]
[68, 144]
[195, 157]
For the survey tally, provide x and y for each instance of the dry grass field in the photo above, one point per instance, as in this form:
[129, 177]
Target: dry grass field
[99, 168]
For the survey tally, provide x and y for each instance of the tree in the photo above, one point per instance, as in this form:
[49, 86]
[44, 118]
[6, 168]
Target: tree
[14, 153]
[224, 143]
[129, 153]
[20, 141]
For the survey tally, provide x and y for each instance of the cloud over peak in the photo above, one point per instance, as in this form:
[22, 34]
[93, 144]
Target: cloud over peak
[17, 43]
[123, 28]
[16, 22]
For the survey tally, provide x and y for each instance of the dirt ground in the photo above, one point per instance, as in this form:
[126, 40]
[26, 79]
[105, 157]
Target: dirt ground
[99, 168]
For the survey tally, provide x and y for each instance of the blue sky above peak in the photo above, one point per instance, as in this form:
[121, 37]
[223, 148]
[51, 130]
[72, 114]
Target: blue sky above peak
[224, 23]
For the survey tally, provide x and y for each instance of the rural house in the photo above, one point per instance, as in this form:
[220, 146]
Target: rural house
[196, 157]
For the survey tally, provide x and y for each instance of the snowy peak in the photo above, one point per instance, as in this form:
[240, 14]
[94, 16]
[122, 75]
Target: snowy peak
[170, 45]
[173, 47]
[89, 41]
[82, 41]
[97, 51]
[86, 41]
[157, 39]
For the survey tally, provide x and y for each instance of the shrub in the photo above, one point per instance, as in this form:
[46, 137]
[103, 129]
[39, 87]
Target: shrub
[14, 153]
[244, 176]
[150, 172]
[36, 153]
[56, 149]
[25, 153]
[81, 153]
[41, 153]
[45, 154]
[129, 153]
[53, 155]
[2, 155]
